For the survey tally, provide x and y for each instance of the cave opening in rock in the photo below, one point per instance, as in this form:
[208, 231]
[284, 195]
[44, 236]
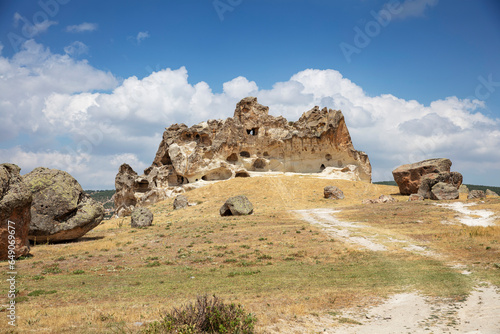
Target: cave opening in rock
[253, 131]
[322, 168]
[245, 154]
[165, 160]
[142, 186]
[232, 158]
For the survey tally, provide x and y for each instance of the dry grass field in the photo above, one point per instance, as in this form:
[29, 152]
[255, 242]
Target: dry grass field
[275, 263]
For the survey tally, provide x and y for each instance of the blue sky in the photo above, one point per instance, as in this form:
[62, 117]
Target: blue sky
[87, 85]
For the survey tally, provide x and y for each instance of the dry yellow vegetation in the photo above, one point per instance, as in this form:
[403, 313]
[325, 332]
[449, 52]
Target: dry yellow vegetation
[274, 263]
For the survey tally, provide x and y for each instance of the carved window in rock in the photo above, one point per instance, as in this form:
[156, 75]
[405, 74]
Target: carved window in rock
[253, 131]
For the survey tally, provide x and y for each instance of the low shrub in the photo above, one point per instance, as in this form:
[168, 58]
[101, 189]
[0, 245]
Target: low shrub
[206, 315]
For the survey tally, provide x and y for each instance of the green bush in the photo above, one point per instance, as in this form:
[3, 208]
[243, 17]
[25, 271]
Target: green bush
[206, 315]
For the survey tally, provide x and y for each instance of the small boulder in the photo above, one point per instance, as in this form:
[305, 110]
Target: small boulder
[180, 202]
[141, 217]
[430, 180]
[236, 206]
[463, 189]
[386, 199]
[333, 192]
[381, 199]
[415, 197]
[491, 193]
[476, 194]
[444, 191]
[60, 210]
[15, 212]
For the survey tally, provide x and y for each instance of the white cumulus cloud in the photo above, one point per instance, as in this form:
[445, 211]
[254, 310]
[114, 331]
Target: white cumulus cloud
[53, 112]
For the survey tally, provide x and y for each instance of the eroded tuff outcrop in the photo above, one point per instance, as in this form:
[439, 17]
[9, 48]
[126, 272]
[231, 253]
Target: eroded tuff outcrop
[15, 214]
[251, 140]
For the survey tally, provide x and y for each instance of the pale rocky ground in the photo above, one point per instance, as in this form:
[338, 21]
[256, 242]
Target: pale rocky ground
[406, 312]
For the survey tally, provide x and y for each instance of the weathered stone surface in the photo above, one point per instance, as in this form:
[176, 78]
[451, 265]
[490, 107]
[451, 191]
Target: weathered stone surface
[381, 199]
[251, 140]
[408, 176]
[444, 191]
[415, 197]
[429, 180]
[463, 189]
[476, 194]
[333, 192]
[141, 217]
[60, 209]
[15, 207]
[236, 206]
[491, 193]
[180, 202]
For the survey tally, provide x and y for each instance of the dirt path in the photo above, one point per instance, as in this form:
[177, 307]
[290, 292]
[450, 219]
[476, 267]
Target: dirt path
[407, 312]
[358, 234]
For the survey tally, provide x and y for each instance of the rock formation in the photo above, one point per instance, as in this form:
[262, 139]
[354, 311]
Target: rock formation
[60, 210]
[381, 199]
[420, 177]
[15, 204]
[250, 141]
[408, 176]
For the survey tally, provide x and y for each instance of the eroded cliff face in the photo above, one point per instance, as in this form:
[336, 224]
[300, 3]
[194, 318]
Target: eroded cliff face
[252, 140]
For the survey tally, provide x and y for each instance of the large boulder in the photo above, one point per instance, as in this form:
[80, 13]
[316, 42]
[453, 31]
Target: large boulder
[236, 206]
[428, 181]
[444, 191]
[15, 214]
[408, 177]
[60, 210]
[333, 192]
[141, 217]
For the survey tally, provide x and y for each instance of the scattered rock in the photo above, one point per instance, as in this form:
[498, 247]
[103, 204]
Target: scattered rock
[381, 199]
[408, 176]
[333, 192]
[251, 140]
[180, 202]
[444, 191]
[15, 206]
[476, 194]
[491, 193]
[60, 210]
[463, 189]
[141, 217]
[415, 197]
[430, 180]
[236, 206]
[386, 199]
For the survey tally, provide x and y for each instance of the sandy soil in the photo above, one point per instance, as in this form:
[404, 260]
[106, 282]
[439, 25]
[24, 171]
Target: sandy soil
[407, 312]
[471, 217]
